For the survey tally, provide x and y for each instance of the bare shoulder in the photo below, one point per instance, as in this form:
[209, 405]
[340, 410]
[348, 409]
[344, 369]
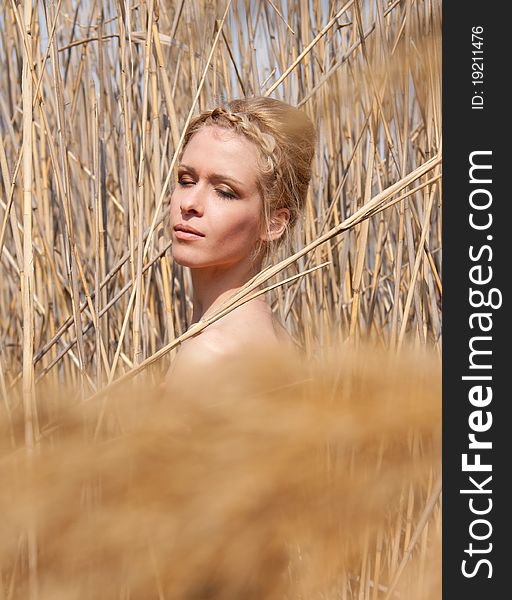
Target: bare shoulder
[201, 350]
[248, 327]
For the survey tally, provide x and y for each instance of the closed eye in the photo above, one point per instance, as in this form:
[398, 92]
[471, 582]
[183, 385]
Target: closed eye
[227, 195]
[223, 193]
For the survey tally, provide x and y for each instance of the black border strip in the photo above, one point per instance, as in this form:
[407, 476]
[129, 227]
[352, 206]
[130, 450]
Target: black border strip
[467, 406]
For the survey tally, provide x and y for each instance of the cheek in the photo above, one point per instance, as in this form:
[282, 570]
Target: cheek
[174, 203]
[238, 228]
[175, 214]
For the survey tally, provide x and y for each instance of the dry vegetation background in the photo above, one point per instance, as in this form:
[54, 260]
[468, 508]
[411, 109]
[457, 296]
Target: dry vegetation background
[94, 99]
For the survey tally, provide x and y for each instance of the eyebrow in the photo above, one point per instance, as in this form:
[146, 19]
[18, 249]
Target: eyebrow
[214, 176]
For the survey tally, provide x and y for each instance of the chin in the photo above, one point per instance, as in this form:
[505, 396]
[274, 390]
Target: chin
[186, 257]
[180, 258]
[193, 261]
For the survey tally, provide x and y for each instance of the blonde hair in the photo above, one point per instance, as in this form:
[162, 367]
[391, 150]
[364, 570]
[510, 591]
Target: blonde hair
[285, 138]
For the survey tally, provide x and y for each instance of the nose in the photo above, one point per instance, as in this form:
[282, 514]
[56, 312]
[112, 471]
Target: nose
[192, 200]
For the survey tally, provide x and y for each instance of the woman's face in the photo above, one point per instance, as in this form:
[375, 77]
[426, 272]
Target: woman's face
[216, 206]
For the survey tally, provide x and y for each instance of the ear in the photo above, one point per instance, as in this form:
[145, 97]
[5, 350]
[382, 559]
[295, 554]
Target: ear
[278, 221]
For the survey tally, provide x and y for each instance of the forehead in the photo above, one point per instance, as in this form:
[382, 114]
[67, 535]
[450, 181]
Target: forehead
[218, 150]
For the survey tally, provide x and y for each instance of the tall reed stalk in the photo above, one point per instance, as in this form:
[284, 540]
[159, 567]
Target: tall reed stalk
[27, 281]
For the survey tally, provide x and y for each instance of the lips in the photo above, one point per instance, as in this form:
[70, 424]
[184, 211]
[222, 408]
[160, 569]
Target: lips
[185, 232]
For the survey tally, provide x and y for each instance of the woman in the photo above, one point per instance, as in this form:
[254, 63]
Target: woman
[242, 181]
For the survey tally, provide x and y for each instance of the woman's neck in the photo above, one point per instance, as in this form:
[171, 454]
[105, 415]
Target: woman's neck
[213, 285]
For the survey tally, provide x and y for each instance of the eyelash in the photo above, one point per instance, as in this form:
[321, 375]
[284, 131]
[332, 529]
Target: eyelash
[222, 193]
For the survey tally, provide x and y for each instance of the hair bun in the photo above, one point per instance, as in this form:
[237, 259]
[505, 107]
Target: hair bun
[219, 112]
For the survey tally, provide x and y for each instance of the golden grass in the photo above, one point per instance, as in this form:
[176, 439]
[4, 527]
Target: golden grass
[106, 295]
[283, 480]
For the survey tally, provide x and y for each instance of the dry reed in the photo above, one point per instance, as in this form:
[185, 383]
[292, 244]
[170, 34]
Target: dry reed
[284, 480]
[112, 90]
